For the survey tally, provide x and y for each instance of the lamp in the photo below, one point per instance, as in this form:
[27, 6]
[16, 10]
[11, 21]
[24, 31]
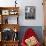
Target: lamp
[15, 30]
[15, 37]
[15, 3]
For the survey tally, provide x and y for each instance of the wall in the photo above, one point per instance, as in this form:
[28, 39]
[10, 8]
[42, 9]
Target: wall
[38, 21]
[39, 13]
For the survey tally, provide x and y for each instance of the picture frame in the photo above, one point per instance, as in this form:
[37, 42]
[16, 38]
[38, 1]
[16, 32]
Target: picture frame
[30, 12]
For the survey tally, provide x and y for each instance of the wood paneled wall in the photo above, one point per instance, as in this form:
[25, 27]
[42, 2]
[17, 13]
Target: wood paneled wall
[44, 6]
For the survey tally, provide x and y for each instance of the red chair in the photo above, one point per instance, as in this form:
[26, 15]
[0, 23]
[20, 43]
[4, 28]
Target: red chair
[29, 33]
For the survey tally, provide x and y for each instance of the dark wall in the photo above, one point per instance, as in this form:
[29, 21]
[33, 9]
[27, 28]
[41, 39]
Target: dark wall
[37, 29]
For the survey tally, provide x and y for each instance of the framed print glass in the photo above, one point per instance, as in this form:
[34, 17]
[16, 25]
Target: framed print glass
[30, 12]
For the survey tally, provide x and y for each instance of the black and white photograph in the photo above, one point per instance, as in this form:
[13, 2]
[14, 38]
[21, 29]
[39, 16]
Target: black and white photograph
[22, 22]
[30, 12]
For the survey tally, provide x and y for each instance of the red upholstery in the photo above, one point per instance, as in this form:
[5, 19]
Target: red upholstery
[29, 33]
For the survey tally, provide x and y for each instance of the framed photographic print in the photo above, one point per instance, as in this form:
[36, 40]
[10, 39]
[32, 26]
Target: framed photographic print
[30, 12]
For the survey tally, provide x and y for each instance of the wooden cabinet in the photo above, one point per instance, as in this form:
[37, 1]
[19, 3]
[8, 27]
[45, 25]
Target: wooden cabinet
[9, 23]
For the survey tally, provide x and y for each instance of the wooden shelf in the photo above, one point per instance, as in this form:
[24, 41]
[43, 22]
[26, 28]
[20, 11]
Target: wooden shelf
[5, 8]
[11, 41]
[11, 26]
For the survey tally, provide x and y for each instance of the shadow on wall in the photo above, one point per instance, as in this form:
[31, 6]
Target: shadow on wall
[37, 29]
